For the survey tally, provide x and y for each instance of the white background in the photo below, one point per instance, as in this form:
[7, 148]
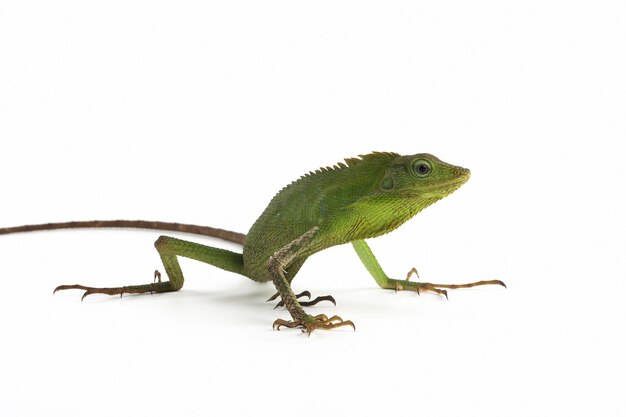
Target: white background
[199, 112]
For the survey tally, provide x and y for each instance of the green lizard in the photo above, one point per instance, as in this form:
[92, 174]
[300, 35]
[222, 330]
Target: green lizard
[346, 203]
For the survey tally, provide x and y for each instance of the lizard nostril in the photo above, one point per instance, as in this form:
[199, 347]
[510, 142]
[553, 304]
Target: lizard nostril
[462, 172]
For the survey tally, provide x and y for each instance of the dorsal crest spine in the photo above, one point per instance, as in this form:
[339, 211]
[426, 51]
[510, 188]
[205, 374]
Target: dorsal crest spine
[351, 162]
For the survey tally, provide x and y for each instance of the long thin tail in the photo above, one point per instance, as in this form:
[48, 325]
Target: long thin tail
[135, 224]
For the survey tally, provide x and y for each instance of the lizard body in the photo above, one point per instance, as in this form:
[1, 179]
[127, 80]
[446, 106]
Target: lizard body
[362, 198]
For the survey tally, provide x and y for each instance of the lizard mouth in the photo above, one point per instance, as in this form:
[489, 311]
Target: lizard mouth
[443, 189]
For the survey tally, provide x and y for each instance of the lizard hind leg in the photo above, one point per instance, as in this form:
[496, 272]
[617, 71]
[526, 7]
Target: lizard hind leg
[169, 249]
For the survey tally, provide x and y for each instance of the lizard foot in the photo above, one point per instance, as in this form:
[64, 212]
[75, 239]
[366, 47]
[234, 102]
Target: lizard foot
[400, 285]
[156, 286]
[309, 323]
[304, 303]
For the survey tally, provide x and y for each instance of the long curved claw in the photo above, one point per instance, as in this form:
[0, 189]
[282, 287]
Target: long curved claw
[90, 290]
[70, 287]
[318, 299]
[302, 294]
[94, 290]
[411, 272]
[330, 298]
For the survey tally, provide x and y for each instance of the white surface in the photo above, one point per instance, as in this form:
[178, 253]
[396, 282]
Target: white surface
[200, 113]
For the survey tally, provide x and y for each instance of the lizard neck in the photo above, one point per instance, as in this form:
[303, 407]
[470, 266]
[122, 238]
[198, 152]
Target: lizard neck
[383, 216]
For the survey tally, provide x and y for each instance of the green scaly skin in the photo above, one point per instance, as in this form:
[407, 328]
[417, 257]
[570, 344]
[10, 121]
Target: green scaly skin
[362, 198]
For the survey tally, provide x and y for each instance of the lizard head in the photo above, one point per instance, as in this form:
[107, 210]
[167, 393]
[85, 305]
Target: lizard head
[423, 177]
[404, 186]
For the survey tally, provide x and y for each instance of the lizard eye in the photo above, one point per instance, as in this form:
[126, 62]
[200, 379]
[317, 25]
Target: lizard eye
[422, 167]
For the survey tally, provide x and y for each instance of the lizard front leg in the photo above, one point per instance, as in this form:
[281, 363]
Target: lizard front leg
[369, 260]
[277, 265]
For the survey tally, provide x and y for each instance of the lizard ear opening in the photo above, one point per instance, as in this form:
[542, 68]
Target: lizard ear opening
[387, 184]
